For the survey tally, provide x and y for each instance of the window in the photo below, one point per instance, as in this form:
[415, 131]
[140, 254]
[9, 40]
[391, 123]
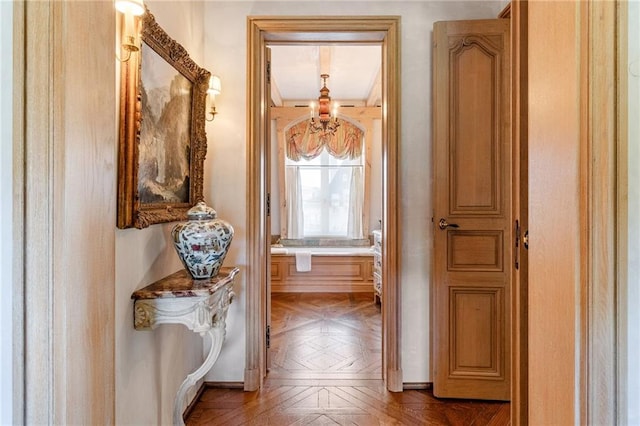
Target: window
[325, 196]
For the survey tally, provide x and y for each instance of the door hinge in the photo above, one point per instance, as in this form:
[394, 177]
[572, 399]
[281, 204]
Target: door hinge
[268, 76]
[268, 204]
[268, 336]
[517, 252]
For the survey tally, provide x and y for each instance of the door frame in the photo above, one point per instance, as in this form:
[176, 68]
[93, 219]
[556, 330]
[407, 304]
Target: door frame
[261, 30]
[518, 13]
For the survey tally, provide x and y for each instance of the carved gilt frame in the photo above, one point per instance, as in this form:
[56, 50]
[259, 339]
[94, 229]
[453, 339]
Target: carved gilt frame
[133, 211]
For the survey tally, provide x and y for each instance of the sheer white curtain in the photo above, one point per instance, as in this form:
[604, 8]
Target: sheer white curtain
[356, 200]
[295, 214]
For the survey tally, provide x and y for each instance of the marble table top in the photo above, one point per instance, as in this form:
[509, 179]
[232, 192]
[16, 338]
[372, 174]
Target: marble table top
[180, 284]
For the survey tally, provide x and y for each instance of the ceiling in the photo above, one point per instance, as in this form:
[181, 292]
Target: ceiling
[354, 73]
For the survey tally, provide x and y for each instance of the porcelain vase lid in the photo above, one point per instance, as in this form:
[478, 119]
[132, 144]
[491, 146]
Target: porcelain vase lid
[201, 212]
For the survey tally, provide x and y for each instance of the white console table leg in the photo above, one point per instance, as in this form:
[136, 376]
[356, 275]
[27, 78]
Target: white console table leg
[216, 335]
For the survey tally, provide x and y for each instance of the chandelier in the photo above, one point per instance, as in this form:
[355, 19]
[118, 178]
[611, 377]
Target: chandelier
[325, 122]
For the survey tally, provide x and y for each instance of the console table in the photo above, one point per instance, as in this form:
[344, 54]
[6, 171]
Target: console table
[200, 305]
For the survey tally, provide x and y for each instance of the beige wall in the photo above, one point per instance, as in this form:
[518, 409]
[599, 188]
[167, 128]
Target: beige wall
[150, 365]
[225, 41]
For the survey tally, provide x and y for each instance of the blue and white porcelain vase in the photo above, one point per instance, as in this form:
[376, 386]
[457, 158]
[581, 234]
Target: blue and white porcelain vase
[202, 241]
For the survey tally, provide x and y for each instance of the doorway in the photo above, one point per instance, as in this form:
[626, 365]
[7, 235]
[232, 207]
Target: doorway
[265, 30]
[325, 194]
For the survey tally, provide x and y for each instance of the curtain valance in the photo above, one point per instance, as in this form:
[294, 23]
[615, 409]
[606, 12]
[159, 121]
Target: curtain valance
[347, 142]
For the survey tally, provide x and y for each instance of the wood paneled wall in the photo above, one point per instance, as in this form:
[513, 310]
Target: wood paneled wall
[554, 211]
[573, 136]
[328, 274]
[70, 129]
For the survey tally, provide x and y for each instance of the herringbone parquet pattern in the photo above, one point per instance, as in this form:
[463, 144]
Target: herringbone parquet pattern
[325, 370]
[325, 336]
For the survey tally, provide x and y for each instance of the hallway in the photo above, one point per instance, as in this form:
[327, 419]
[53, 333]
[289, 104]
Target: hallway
[325, 369]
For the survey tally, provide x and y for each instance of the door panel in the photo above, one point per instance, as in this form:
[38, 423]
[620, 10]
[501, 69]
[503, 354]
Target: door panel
[472, 210]
[474, 145]
[480, 251]
[474, 331]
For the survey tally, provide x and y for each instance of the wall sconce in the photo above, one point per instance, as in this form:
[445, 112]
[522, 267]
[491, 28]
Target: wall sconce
[129, 8]
[215, 88]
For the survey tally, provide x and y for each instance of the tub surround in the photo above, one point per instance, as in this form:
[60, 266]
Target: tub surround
[323, 251]
[322, 242]
[331, 271]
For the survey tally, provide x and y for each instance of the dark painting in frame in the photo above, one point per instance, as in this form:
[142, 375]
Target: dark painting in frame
[162, 140]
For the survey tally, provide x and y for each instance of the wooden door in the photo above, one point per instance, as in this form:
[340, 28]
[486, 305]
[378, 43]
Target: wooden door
[472, 210]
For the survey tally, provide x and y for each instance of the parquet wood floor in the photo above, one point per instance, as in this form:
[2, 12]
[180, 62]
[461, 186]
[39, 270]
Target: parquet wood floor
[326, 370]
[325, 336]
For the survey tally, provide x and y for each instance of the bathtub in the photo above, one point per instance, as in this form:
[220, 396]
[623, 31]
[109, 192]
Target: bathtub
[333, 270]
[324, 251]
